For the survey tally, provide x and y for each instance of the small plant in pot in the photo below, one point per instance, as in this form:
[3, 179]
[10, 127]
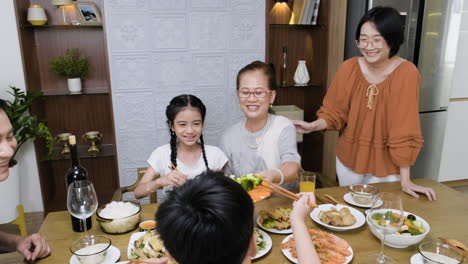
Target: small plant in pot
[26, 126]
[73, 66]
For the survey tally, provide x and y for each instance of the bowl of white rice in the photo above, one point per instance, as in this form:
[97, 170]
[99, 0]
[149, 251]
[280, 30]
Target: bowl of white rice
[119, 217]
[91, 249]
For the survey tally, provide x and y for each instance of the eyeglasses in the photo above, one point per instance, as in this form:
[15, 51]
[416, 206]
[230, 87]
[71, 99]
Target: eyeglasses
[377, 43]
[256, 93]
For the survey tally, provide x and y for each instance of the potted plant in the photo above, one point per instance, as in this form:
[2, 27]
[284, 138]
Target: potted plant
[71, 66]
[26, 126]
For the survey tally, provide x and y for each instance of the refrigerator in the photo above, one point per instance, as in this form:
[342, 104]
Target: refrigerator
[431, 29]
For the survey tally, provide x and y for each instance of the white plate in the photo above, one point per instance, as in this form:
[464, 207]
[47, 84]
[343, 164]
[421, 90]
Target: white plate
[349, 199]
[274, 230]
[289, 256]
[113, 254]
[416, 259]
[269, 244]
[360, 218]
[134, 237]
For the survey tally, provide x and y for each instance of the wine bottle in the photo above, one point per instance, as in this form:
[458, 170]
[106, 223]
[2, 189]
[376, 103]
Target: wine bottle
[283, 73]
[76, 173]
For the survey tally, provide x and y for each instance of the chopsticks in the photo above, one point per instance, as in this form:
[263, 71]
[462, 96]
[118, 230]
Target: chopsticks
[456, 245]
[172, 167]
[284, 192]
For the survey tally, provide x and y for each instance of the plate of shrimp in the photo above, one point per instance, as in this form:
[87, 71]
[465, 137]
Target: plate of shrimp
[330, 248]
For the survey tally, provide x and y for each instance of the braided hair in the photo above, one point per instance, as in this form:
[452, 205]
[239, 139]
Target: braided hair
[176, 105]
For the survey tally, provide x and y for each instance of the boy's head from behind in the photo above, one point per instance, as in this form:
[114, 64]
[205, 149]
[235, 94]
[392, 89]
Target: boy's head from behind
[207, 220]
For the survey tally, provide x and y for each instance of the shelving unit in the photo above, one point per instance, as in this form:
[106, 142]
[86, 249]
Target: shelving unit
[90, 110]
[322, 47]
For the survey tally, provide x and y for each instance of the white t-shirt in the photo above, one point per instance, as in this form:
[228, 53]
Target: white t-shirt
[160, 160]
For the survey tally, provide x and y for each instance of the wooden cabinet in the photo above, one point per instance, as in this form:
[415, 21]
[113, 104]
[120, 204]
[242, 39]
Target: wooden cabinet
[64, 112]
[322, 46]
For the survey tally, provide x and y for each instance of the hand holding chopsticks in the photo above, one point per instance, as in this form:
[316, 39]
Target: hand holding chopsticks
[284, 192]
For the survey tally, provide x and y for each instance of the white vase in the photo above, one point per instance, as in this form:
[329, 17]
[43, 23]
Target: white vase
[36, 15]
[74, 85]
[301, 77]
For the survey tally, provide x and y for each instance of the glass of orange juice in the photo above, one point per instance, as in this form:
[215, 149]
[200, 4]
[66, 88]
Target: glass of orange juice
[307, 182]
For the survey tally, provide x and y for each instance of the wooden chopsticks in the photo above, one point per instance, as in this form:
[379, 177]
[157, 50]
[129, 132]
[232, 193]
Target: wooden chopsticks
[456, 245]
[284, 192]
[172, 167]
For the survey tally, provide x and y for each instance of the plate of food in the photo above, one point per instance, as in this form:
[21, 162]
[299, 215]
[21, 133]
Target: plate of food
[330, 248]
[338, 217]
[145, 245]
[252, 183]
[264, 243]
[275, 220]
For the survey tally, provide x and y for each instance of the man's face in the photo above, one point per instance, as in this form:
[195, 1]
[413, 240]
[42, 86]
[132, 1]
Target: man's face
[7, 144]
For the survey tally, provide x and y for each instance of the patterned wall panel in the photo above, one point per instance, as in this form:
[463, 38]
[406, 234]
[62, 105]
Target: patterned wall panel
[159, 49]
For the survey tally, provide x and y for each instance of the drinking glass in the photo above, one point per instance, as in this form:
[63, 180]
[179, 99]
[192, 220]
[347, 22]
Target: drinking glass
[307, 182]
[386, 216]
[82, 200]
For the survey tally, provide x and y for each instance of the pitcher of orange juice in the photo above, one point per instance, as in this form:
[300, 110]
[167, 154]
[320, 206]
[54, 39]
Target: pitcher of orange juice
[307, 181]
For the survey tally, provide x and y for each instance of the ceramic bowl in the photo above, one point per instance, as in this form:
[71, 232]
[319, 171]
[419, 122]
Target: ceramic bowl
[438, 253]
[400, 241]
[119, 225]
[91, 249]
[363, 193]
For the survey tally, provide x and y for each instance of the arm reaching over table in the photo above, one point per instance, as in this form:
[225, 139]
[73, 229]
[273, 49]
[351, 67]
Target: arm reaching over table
[31, 247]
[306, 252]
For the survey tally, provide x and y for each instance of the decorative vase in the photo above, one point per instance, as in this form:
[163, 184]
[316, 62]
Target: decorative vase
[301, 77]
[74, 85]
[36, 15]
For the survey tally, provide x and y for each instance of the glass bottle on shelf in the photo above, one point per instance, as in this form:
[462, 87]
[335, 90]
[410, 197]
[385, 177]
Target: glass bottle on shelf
[284, 70]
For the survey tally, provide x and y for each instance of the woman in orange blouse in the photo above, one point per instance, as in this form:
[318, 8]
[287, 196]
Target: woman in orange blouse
[373, 102]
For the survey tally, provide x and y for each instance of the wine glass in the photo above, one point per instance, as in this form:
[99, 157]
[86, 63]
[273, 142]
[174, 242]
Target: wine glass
[386, 216]
[82, 200]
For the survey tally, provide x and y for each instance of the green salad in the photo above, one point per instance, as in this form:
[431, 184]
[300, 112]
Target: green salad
[248, 181]
[411, 226]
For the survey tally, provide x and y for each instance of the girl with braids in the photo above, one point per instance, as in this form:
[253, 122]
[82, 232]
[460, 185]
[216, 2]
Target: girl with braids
[186, 156]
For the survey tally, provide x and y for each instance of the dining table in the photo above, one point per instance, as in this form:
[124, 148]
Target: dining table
[447, 217]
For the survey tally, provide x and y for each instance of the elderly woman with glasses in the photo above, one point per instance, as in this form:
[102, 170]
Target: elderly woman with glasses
[262, 143]
[373, 102]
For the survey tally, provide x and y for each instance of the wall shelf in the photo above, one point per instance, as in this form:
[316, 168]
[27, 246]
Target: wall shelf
[297, 25]
[59, 26]
[85, 91]
[106, 150]
[90, 110]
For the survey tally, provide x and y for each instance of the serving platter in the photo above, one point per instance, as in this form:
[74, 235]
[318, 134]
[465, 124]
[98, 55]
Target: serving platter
[360, 218]
[290, 257]
[274, 230]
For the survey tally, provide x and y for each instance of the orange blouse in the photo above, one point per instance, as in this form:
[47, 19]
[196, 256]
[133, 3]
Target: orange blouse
[381, 139]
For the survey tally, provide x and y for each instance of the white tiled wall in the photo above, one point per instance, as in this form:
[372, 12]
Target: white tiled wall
[160, 49]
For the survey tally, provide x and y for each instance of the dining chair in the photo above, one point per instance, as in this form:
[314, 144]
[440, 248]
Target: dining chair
[20, 221]
[117, 196]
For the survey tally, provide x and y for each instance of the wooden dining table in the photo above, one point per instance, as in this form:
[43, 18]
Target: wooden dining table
[447, 217]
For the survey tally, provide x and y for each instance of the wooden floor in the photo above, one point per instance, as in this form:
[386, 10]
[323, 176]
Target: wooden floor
[34, 221]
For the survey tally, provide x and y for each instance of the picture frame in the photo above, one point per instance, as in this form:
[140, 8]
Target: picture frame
[88, 13]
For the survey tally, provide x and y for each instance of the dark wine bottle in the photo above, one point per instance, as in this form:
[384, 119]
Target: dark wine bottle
[76, 173]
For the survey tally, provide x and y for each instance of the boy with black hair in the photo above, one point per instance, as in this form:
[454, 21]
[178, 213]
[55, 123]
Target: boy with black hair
[209, 220]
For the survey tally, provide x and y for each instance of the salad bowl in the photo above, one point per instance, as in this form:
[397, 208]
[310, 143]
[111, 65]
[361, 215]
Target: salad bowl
[419, 229]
